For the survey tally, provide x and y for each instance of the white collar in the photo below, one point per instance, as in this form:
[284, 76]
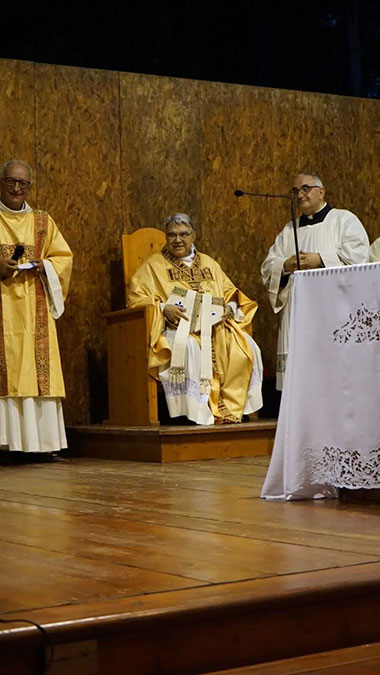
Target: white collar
[191, 256]
[315, 212]
[25, 208]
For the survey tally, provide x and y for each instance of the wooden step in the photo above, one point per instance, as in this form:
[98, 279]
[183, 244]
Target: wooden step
[172, 443]
[206, 629]
[362, 660]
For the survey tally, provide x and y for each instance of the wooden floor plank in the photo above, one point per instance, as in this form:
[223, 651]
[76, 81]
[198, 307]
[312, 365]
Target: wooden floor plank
[188, 558]
[135, 528]
[32, 577]
[204, 556]
[269, 532]
[356, 543]
[240, 486]
[209, 597]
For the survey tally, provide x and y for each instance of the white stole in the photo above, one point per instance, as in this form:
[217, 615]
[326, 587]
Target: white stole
[206, 319]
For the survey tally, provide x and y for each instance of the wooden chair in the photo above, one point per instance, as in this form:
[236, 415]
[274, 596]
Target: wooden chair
[132, 392]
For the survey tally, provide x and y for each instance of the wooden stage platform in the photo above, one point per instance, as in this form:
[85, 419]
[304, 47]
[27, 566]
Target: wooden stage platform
[172, 443]
[137, 568]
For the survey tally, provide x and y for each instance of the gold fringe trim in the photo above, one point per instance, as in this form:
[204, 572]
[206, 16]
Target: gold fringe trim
[177, 375]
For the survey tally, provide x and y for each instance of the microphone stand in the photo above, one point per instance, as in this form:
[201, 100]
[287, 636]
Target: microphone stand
[240, 193]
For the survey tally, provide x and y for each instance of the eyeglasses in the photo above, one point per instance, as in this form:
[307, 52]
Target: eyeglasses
[305, 189]
[12, 182]
[182, 235]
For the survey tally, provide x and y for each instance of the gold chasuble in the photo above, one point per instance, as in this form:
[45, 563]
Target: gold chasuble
[30, 364]
[232, 359]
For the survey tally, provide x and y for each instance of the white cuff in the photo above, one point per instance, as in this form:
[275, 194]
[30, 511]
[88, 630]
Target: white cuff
[53, 290]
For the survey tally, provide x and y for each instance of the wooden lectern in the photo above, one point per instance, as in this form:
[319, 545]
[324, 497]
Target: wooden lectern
[132, 392]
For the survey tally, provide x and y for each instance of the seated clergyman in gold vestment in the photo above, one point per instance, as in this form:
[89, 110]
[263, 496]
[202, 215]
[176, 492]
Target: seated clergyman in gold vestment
[209, 366]
[35, 268]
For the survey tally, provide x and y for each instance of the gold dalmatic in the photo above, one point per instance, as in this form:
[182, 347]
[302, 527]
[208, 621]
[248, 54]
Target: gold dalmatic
[29, 354]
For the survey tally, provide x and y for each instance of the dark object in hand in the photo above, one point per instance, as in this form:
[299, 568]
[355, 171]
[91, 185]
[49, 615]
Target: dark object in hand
[18, 252]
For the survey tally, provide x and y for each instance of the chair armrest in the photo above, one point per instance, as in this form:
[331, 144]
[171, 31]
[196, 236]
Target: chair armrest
[147, 309]
[132, 391]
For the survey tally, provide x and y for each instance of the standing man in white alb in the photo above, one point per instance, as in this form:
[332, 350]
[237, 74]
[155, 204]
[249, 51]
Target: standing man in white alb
[327, 237]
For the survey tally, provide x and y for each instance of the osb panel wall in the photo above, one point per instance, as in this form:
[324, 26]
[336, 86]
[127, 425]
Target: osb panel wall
[237, 153]
[115, 152]
[258, 139]
[161, 145]
[17, 112]
[78, 170]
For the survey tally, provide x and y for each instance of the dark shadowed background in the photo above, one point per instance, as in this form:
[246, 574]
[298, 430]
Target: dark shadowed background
[330, 46]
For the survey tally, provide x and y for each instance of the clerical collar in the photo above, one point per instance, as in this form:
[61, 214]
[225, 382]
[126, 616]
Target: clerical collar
[317, 217]
[24, 209]
[190, 257]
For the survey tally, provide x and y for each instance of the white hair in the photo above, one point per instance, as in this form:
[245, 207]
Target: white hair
[11, 162]
[317, 179]
[179, 218]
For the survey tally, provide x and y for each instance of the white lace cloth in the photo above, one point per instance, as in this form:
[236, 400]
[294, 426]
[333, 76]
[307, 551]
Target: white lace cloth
[328, 433]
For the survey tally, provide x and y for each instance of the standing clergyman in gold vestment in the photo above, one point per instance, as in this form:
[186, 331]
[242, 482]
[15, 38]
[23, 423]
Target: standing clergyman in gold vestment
[209, 366]
[35, 268]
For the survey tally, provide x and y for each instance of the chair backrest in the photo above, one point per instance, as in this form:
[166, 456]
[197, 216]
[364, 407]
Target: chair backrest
[137, 247]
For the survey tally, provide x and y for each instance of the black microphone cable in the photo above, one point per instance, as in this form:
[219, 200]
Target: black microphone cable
[49, 648]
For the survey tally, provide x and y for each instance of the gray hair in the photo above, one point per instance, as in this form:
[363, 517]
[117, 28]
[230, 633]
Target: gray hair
[317, 179]
[179, 218]
[11, 162]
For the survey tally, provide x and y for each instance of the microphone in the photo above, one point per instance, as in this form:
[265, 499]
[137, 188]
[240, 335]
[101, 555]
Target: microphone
[240, 193]
[18, 252]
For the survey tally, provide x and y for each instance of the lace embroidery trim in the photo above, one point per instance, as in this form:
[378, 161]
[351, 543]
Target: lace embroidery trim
[345, 468]
[281, 363]
[191, 389]
[362, 326]
[256, 379]
[187, 388]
